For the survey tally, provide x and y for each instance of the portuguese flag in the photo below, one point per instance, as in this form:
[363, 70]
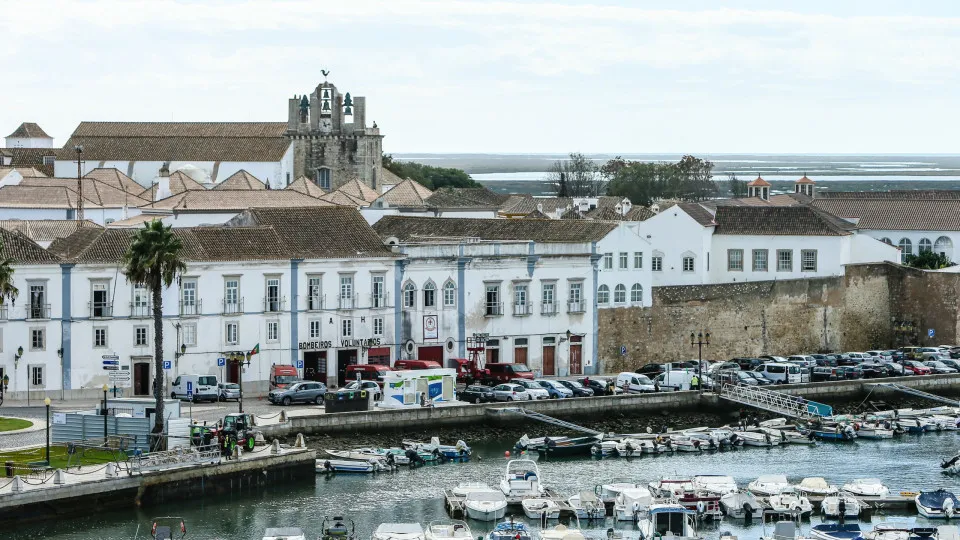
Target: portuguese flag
[256, 350]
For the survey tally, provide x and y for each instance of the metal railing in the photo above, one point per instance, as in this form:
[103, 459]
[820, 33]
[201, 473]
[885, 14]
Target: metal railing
[141, 311]
[316, 302]
[274, 304]
[576, 307]
[100, 310]
[38, 311]
[548, 309]
[347, 301]
[494, 309]
[233, 308]
[917, 393]
[191, 309]
[545, 419]
[775, 402]
[379, 300]
[520, 310]
[176, 457]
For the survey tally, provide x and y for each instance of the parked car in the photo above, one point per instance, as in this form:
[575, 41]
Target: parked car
[928, 353]
[635, 383]
[369, 386]
[228, 391]
[823, 373]
[511, 392]
[872, 370]
[500, 373]
[910, 353]
[825, 360]
[722, 366]
[802, 360]
[916, 367]
[858, 357]
[896, 355]
[195, 387]
[769, 358]
[952, 363]
[650, 370]
[535, 390]
[955, 353]
[761, 380]
[578, 389]
[600, 387]
[476, 393]
[875, 355]
[849, 372]
[299, 392]
[730, 376]
[555, 389]
[939, 367]
[895, 369]
[748, 363]
[844, 359]
[781, 372]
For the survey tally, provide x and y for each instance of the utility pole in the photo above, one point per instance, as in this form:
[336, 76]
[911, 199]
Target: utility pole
[699, 340]
[79, 149]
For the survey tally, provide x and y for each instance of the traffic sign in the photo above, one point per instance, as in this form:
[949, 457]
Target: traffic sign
[189, 388]
[167, 364]
[299, 364]
[930, 333]
[111, 362]
[221, 361]
[120, 378]
[111, 368]
[623, 350]
[110, 357]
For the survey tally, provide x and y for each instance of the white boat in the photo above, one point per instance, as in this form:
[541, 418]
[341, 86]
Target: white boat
[816, 485]
[944, 422]
[398, 531]
[485, 505]
[561, 532]
[511, 530]
[452, 530]
[604, 448]
[836, 531]
[284, 533]
[521, 479]
[866, 487]
[741, 505]
[889, 532]
[631, 503]
[634, 447]
[939, 504]
[874, 431]
[540, 509]
[670, 487]
[466, 487]
[790, 436]
[352, 466]
[669, 521]
[769, 484]
[830, 507]
[683, 443]
[715, 484]
[755, 438]
[790, 501]
[586, 505]
[609, 492]
[363, 454]
[784, 530]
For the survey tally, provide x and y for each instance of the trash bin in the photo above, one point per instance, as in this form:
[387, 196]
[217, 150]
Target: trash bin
[346, 401]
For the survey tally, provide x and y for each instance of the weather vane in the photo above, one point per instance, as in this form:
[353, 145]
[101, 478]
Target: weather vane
[325, 73]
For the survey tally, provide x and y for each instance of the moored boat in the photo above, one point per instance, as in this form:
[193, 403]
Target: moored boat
[561, 532]
[521, 479]
[577, 446]
[452, 530]
[510, 530]
[866, 487]
[789, 500]
[741, 505]
[284, 533]
[586, 505]
[836, 505]
[769, 484]
[837, 531]
[609, 492]
[336, 528]
[669, 520]
[670, 487]
[540, 509]
[939, 504]
[485, 505]
[816, 485]
[631, 503]
[398, 531]
[352, 466]
[715, 484]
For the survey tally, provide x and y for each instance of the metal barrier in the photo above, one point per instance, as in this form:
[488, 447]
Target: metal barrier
[917, 393]
[546, 419]
[775, 402]
[176, 457]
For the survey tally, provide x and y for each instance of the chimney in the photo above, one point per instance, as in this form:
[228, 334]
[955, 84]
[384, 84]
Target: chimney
[163, 183]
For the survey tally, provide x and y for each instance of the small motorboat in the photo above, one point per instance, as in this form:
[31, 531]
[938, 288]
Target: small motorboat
[836, 505]
[683, 443]
[540, 509]
[816, 485]
[705, 506]
[449, 530]
[939, 504]
[874, 430]
[521, 479]
[458, 452]
[866, 487]
[790, 436]
[284, 533]
[634, 447]
[837, 531]
[336, 528]
[631, 503]
[166, 528]
[784, 530]
[756, 438]
[485, 505]
[561, 532]
[586, 505]
[769, 484]
[363, 454]
[917, 425]
[352, 466]
[604, 448]
[715, 484]
[526, 443]
[789, 500]
[463, 488]
[894, 532]
[669, 521]
[510, 530]
[952, 465]
[399, 531]
[670, 487]
[835, 433]
[577, 446]
[609, 492]
[740, 505]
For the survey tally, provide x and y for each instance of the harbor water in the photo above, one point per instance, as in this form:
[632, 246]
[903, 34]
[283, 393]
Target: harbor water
[909, 463]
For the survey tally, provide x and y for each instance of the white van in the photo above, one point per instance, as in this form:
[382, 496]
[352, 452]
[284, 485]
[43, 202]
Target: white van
[195, 387]
[634, 383]
[781, 373]
[680, 380]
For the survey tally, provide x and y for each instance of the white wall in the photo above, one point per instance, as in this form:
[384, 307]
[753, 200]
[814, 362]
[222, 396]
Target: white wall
[29, 142]
[861, 248]
[674, 234]
[630, 238]
[830, 256]
[916, 236]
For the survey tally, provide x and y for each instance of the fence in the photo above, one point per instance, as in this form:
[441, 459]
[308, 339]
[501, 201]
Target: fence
[172, 458]
[81, 427]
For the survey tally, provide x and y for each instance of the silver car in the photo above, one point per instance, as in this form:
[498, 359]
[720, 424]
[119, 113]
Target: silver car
[510, 392]
[228, 391]
[939, 367]
[299, 392]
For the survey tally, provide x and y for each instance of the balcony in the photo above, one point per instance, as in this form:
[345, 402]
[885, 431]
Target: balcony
[100, 310]
[38, 311]
[347, 301]
[548, 309]
[576, 307]
[521, 310]
[233, 306]
[381, 300]
[316, 302]
[273, 304]
[141, 310]
[494, 309]
[191, 309]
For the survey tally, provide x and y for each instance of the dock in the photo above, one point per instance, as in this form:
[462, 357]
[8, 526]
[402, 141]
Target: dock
[454, 503]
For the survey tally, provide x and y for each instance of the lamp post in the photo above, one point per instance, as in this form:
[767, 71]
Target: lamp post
[699, 340]
[105, 389]
[46, 401]
[16, 362]
[62, 385]
[242, 360]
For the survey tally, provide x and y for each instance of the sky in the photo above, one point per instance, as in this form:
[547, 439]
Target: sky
[483, 76]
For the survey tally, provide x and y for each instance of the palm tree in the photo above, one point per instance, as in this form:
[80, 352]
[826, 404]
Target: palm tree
[7, 290]
[153, 261]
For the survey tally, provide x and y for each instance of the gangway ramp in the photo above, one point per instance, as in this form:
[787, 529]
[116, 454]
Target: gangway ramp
[917, 393]
[775, 402]
[533, 415]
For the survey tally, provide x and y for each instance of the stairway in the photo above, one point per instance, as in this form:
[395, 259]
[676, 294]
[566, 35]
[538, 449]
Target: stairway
[775, 402]
[917, 393]
[545, 419]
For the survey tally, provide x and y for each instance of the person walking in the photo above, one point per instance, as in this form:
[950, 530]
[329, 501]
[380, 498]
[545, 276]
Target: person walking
[694, 383]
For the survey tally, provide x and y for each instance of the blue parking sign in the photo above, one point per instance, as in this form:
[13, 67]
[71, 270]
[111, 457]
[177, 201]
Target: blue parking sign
[930, 333]
[299, 364]
[189, 388]
[623, 350]
[221, 361]
[167, 364]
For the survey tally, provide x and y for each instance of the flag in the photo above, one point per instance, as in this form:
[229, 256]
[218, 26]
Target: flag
[256, 350]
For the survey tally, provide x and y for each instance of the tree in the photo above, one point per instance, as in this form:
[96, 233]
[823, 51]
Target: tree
[738, 188]
[7, 290]
[429, 176]
[580, 177]
[690, 179]
[927, 260]
[154, 261]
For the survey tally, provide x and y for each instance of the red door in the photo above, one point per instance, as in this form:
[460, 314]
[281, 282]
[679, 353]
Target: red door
[549, 367]
[233, 372]
[431, 353]
[520, 355]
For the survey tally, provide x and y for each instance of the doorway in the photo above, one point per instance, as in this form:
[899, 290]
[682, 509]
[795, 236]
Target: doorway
[315, 366]
[233, 372]
[576, 355]
[141, 378]
[345, 357]
[431, 353]
[549, 361]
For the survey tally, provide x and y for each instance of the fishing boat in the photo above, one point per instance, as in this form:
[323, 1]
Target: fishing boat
[526, 443]
[835, 505]
[337, 528]
[586, 505]
[561, 532]
[352, 466]
[874, 431]
[609, 492]
[789, 500]
[939, 504]
[670, 487]
[166, 528]
[399, 531]
[485, 505]
[866, 487]
[448, 530]
[577, 446]
[834, 433]
[459, 452]
[816, 485]
[510, 530]
[669, 521]
[631, 503]
[769, 484]
[604, 448]
[837, 531]
[540, 509]
[521, 479]
[463, 488]
[714, 483]
[740, 505]
[284, 533]
[363, 454]
[756, 438]
[630, 447]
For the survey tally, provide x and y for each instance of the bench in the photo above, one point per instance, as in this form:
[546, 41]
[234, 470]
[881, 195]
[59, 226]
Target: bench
[39, 468]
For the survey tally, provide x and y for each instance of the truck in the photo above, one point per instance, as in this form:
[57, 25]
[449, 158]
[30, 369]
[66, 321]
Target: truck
[283, 375]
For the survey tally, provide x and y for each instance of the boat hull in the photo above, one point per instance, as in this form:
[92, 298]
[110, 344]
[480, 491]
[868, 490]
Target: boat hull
[485, 514]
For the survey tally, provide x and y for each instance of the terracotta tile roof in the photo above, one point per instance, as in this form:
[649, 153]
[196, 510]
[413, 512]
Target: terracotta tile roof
[24, 171]
[790, 199]
[358, 190]
[29, 130]
[241, 180]
[95, 192]
[482, 197]
[427, 229]
[805, 180]
[234, 200]
[390, 178]
[178, 141]
[536, 214]
[306, 186]
[135, 221]
[524, 204]
[759, 182]
[24, 250]
[179, 182]
[697, 212]
[406, 194]
[21, 196]
[636, 213]
[896, 194]
[32, 157]
[46, 230]
[894, 214]
[571, 213]
[779, 221]
[115, 178]
[340, 198]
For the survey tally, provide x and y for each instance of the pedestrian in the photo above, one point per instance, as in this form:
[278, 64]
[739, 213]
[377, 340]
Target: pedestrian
[656, 387]
[694, 383]
[743, 419]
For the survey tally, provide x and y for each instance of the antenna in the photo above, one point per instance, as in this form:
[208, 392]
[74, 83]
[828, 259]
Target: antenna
[79, 149]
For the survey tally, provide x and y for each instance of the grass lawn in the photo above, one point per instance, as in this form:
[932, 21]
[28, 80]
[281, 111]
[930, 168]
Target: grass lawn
[10, 424]
[58, 457]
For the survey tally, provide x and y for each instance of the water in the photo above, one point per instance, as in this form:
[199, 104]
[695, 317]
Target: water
[860, 176]
[910, 463]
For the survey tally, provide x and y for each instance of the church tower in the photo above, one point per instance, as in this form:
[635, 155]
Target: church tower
[804, 186]
[332, 143]
[759, 188]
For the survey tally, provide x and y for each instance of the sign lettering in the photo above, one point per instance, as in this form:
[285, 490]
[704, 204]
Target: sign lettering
[314, 345]
[369, 342]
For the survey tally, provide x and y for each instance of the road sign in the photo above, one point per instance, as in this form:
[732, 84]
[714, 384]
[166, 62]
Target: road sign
[59, 418]
[221, 361]
[120, 378]
[111, 368]
[189, 388]
[299, 364]
[930, 333]
[111, 362]
[110, 357]
[623, 350]
[167, 364]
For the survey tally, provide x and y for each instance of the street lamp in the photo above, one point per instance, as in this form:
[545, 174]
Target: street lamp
[699, 340]
[62, 385]
[105, 389]
[46, 401]
[16, 362]
[242, 360]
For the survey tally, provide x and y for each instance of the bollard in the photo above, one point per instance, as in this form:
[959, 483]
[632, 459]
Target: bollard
[275, 447]
[9, 469]
[301, 442]
[58, 477]
[111, 470]
[283, 417]
[17, 486]
[259, 440]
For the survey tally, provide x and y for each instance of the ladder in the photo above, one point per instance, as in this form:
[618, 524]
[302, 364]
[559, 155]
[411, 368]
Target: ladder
[775, 402]
[544, 418]
[917, 393]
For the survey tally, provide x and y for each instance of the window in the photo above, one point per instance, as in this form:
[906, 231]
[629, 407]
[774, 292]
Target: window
[48, 161]
[623, 260]
[906, 248]
[576, 292]
[378, 326]
[620, 294]
[232, 333]
[189, 335]
[272, 301]
[608, 261]
[493, 300]
[688, 263]
[808, 260]
[141, 302]
[760, 260]
[638, 259]
[656, 263]
[36, 375]
[449, 294]
[100, 300]
[735, 260]
[886, 240]
[231, 295]
[925, 245]
[100, 337]
[141, 336]
[636, 294]
[429, 295]
[346, 327]
[603, 295]
[188, 297]
[314, 294]
[323, 178]
[38, 301]
[520, 295]
[378, 294]
[38, 339]
[409, 295]
[314, 329]
[548, 294]
[273, 331]
[784, 260]
[346, 291]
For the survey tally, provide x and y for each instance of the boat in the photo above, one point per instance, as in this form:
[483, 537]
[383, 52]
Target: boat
[939, 504]
[873, 431]
[604, 448]
[917, 425]
[526, 443]
[485, 505]
[577, 446]
[162, 528]
[634, 447]
[540, 509]
[669, 521]
[816, 485]
[866, 487]
[463, 488]
[521, 479]
[586, 505]
[399, 531]
[336, 528]
[837, 531]
[952, 465]
[944, 422]
[834, 505]
[561, 532]
[740, 505]
[789, 500]
[631, 503]
[756, 438]
[448, 530]
[895, 532]
[459, 452]
[670, 487]
[789, 436]
[835, 433]
[398, 455]
[704, 505]
[684, 443]
[284, 533]
[769, 484]
[352, 466]
[785, 526]
[609, 492]
[510, 530]
[714, 483]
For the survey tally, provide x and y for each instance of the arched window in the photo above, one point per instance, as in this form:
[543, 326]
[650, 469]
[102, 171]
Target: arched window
[636, 294]
[688, 261]
[620, 294]
[906, 248]
[944, 246]
[449, 294]
[925, 245]
[429, 295]
[886, 240]
[409, 295]
[603, 295]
